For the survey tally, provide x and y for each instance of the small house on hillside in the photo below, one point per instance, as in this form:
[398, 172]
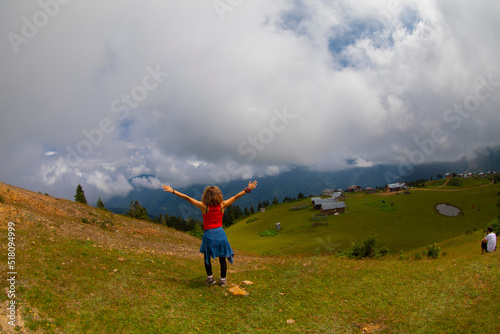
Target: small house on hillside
[396, 186]
[327, 192]
[314, 200]
[333, 207]
[320, 201]
[355, 189]
[370, 190]
[338, 196]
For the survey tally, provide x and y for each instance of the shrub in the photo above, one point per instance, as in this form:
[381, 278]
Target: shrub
[382, 251]
[433, 251]
[197, 231]
[104, 224]
[1, 199]
[251, 220]
[495, 224]
[403, 255]
[366, 248]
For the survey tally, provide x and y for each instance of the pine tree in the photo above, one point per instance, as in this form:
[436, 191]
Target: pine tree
[137, 211]
[80, 195]
[100, 204]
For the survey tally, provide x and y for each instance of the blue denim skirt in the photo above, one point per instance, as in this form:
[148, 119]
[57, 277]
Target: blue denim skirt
[215, 244]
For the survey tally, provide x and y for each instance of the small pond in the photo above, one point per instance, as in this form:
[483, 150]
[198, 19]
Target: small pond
[448, 210]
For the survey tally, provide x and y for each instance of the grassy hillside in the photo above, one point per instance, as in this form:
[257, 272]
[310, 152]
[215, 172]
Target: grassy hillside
[402, 222]
[84, 270]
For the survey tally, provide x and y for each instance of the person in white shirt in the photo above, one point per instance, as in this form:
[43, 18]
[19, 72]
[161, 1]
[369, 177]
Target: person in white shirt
[489, 243]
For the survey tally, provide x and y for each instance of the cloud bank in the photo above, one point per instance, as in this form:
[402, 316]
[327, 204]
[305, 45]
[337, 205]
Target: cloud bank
[206, 91]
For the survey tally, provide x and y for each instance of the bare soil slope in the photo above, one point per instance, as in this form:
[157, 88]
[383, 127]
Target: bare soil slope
[73, 220]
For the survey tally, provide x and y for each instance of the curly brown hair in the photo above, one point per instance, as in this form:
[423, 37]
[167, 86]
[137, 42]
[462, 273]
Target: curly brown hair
[212, 196]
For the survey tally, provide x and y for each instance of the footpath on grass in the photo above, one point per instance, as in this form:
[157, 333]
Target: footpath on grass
[460, 189]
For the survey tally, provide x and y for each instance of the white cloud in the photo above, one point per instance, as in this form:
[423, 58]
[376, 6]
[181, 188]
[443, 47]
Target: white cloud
[88, 99]
[149, 182]
[109, 184]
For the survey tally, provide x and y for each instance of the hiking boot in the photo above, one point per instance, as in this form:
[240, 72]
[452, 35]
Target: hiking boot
[211, 281]
[222, 282]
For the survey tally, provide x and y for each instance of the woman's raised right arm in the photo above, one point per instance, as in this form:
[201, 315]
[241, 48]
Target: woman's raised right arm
[185, 197]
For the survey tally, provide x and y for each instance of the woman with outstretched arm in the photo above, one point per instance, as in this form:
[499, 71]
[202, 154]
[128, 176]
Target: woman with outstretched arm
[214, 243]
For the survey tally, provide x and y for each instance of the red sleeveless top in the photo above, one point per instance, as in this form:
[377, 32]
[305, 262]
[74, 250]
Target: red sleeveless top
[213, 218]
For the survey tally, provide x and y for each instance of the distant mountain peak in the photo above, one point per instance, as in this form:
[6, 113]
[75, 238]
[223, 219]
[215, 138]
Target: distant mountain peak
[142, 176]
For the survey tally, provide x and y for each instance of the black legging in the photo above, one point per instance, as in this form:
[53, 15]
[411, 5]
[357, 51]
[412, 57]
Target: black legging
[223, 267]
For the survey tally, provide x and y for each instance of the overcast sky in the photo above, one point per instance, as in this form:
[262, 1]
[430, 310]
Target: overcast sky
[200, 91]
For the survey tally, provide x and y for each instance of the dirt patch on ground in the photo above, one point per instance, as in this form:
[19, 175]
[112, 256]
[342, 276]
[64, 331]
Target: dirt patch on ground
[460, 189]
[389, 193]
[83, 222]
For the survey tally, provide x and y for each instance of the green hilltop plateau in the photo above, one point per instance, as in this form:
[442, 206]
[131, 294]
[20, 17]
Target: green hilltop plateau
[79, 269]
[402, 220]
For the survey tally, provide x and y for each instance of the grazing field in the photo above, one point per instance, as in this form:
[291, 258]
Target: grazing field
[85, 270]
[401, 221]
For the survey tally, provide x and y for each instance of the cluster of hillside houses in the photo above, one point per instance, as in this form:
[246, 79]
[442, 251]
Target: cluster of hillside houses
[467, 175]
[332, 201]
[330, 205]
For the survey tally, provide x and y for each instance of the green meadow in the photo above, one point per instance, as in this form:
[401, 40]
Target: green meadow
[85, 270]
[401, 221]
